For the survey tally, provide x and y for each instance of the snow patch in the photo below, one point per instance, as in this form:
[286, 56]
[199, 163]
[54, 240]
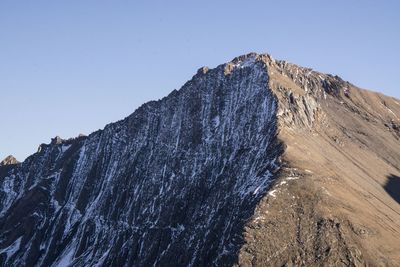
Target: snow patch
[273, 193]
[248, 62]
[9, 194]
[259, 218]
[66, 258]
[216, 121]
[257, 189]
[65, 148]
[391, 111]
[102, 259]
[12, 249]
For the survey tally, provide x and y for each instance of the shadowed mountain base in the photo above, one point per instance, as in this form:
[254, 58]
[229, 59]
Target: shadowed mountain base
[392, 186]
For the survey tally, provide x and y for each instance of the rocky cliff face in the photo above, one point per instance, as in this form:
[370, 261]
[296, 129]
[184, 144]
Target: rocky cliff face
[256, 162]
[334, 201]
[172, 184]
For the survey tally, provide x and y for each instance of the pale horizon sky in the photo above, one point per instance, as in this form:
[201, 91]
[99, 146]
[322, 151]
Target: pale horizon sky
[71, 67]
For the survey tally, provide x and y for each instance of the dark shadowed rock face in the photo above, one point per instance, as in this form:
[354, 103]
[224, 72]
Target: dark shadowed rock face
[171, 185]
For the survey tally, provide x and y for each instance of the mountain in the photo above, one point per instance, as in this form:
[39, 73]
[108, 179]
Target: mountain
[257, 162]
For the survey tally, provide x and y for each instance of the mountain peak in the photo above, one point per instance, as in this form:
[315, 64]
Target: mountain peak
[308, 80]
[9, 160]
[57, 140]
[253, 157]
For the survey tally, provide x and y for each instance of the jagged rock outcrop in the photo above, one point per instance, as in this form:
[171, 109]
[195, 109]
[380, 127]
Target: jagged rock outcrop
[257, 162]
[9, 160]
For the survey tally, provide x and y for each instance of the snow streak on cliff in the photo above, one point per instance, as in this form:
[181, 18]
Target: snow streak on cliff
[172, 184]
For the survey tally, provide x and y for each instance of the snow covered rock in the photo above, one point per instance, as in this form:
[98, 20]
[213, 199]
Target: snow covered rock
[172, 184]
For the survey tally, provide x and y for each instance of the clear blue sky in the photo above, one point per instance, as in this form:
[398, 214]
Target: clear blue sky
[70, 67]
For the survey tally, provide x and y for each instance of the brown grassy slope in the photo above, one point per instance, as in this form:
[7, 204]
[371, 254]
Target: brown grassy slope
[330, 205]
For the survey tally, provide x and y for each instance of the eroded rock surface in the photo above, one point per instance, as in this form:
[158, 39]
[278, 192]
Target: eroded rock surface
[171, 185]
[257, 162]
